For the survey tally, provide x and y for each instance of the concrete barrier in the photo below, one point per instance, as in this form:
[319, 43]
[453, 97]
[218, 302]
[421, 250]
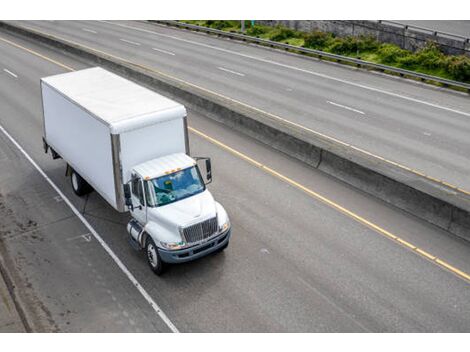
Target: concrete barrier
[431, 201]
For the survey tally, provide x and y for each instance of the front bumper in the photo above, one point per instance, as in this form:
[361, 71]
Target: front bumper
[198, 251]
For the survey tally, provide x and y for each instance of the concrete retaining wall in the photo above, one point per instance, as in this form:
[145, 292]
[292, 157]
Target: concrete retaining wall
[407, 37]
[419, 196]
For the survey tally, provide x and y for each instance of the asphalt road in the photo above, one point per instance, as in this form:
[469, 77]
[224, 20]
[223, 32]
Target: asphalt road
[421, 127]
[461, 28]
[294, 262]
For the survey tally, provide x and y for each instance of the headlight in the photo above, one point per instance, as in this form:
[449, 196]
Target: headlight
[225, 226]
[173, 245]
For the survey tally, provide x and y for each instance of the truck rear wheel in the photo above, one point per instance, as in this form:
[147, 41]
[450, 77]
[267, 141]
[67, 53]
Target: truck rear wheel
[79, 185]
[153, 258]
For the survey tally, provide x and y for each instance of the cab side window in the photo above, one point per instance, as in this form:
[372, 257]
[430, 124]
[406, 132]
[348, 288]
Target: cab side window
[137, 190]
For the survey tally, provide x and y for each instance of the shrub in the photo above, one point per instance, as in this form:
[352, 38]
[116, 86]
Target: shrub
[219, 24]
[344, 45]
[430, 56]
[257, 30]
[409, 61]
[390, 53]
[367, 43]
[281, 33]
[317, 40]
[459, 67]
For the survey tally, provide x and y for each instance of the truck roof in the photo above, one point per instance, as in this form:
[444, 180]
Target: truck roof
[116, 101]
[164, 165]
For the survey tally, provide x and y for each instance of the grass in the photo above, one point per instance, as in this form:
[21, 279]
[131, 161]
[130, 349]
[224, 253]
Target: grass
[429, 60]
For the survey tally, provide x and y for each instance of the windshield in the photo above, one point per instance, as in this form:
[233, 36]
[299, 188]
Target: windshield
[176, 186]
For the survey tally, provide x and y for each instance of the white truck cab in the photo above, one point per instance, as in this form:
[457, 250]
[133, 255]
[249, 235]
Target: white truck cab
[131, 145]
[175, 218]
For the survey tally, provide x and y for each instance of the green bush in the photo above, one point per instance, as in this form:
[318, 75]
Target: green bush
[344, 46]
[317, 40]
[459, 67]
[220, 24]
[390, 53]
[367, 43]
[430, 56]
[281, 33]
[257, 30]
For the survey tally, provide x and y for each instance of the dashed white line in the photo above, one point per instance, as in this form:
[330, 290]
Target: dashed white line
[164, 51]
[230, 71]
[10, 73]
[128, 41]
[89, 30]
[345, 107]
[95, 234]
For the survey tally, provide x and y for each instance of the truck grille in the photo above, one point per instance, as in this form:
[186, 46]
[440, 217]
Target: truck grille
[201, 231]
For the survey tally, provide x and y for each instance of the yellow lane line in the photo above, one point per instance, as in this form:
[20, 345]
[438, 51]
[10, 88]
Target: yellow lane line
[313, 194]
[336, 206]
[37, 54]
[416, 172]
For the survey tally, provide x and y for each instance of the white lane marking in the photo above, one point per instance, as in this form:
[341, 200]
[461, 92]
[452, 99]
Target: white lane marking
[164, 51]
[86, 237]
[345, 107]
[427, 133]
[437, 106]
[89, 30]
[58, 199]
[230, 71]
[128, 41]
[95, 234]
[10, 73]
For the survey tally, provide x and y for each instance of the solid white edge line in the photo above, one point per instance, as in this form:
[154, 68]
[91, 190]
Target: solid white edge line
[437, 106]
[95, 234]
[128, 41]
[345, 107]
[10, 73]
[230, 71]
[164, 51]
[89, 30]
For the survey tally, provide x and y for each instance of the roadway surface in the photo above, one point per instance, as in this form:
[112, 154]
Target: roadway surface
[461, 28]
[294, 262]
[418, 126]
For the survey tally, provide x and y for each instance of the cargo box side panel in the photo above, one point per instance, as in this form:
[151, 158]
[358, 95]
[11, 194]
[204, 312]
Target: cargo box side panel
[81, 140]
[151, 142]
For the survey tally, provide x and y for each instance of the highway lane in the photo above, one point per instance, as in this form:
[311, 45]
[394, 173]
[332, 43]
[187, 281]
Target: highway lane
[63, 277]
[431, 138]
[294, 263]
[461, 28]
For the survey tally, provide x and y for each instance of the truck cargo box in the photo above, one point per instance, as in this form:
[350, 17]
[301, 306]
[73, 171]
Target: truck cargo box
[103, 125]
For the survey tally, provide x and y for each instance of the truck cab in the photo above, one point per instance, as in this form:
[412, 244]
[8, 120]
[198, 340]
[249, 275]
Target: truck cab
[175, 217]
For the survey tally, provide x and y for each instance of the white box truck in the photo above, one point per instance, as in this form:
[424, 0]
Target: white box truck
[130, 145]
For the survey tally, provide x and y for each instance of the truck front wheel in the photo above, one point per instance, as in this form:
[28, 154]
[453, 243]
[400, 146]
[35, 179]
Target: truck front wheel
[153, 258]
[79, 185]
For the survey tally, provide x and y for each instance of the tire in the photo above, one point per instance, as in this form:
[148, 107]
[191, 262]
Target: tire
[79, 185]
[153, 258]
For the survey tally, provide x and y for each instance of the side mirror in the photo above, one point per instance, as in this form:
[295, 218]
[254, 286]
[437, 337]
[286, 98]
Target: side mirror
[127, 197]
[208, 170]
[204, 165]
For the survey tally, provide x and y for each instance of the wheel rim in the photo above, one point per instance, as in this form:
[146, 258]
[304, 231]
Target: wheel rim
[74, 181]
[152, 255]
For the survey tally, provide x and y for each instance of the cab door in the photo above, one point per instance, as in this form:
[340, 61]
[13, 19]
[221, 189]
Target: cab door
[138, 200]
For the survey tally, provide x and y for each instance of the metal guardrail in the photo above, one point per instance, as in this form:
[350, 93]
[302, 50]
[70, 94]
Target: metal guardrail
[424, 29]
[320, 54]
